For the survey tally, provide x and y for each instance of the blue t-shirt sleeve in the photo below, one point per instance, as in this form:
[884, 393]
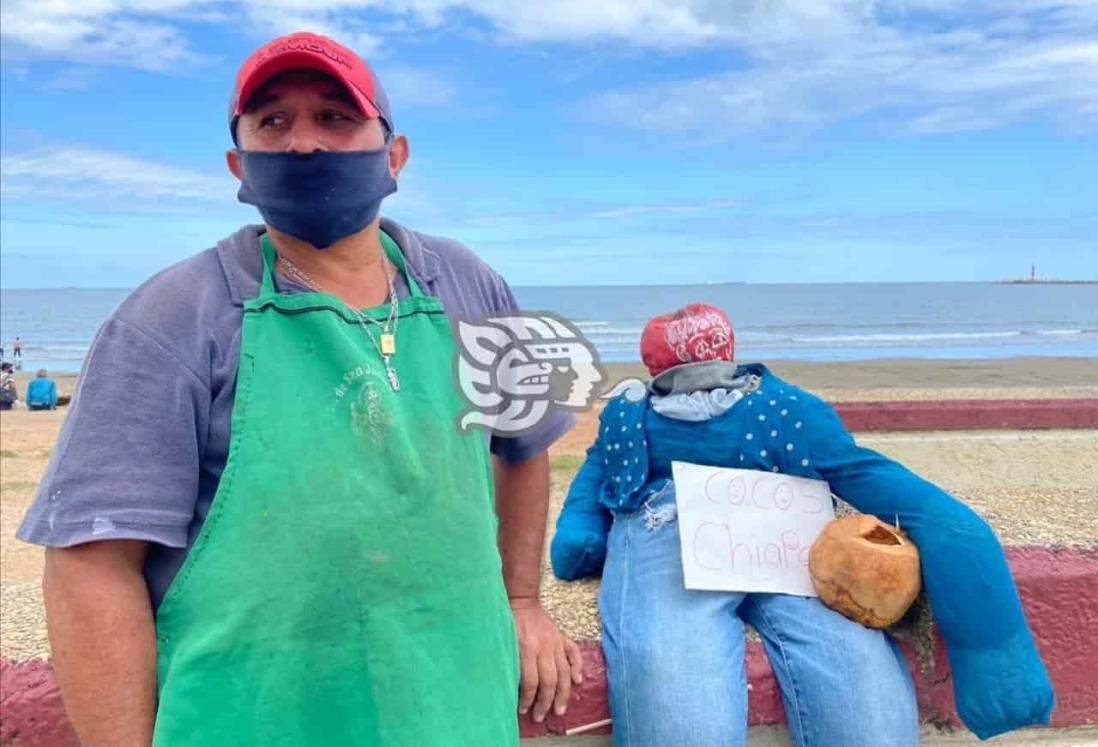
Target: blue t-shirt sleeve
[126, 463]
[557, 421]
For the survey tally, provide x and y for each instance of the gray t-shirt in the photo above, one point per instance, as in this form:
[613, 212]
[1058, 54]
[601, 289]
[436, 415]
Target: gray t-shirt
[147, 435]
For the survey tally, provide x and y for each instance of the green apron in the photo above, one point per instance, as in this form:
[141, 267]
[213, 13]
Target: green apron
[346, 587]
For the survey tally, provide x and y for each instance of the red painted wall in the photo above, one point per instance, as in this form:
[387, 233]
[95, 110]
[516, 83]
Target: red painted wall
[1058, 586]
[969, 414]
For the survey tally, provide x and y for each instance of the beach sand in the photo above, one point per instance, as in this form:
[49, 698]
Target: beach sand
[1033, 486]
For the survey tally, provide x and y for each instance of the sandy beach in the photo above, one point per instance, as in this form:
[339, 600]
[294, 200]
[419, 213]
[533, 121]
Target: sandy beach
[1033, 486]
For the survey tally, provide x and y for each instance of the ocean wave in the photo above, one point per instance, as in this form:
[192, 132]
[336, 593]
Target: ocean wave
[621, 335]
[922, 337]
[612, 331]
[60, 347]
[1063, 332]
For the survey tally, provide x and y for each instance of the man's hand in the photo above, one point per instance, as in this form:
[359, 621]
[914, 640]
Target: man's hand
[550, 661]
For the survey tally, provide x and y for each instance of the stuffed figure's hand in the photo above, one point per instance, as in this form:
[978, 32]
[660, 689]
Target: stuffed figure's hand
[577, 552]
[578, 549]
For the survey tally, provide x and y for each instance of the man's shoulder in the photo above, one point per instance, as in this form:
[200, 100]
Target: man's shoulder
[431, 256]
[466, 284]
[192, 303]
[177, 292]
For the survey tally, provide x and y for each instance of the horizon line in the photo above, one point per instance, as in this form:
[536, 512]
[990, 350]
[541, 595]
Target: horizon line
[703, 284]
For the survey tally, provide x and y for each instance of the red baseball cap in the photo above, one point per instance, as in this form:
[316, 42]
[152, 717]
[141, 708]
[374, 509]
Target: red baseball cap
[697, 332]
[303, 50]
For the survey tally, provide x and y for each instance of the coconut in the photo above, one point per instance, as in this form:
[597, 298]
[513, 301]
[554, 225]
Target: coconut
[865, 569]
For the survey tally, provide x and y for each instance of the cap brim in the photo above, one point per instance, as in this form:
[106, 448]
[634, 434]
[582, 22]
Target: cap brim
[294, 60]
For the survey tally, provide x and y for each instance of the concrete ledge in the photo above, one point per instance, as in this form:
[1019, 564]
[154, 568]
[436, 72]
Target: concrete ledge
[777, 736]
[969, 414]
[31, 714]
[1059, 588]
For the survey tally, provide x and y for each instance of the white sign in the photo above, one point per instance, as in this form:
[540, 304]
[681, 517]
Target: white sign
[746, 530]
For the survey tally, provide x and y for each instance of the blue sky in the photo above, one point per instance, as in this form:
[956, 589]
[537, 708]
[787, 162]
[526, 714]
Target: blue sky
[623, 141]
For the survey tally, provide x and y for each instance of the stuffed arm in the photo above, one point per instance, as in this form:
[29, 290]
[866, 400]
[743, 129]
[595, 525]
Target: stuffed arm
[999, 679]
[578, 549]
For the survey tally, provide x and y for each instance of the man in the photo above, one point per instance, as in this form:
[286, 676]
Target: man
[17, 348]
[41, 392]
[325, 571]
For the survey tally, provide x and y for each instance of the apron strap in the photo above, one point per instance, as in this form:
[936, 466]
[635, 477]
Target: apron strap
[392, 250]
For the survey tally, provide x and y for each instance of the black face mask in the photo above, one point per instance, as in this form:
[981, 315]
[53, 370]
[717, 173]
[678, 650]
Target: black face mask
[318, 197]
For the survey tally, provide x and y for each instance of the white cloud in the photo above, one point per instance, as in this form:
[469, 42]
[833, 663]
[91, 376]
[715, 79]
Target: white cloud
[119, 32]
[73, 79]
[83, 173]
[269, 19]
[926, 65]
[415, 86]
[961, 78]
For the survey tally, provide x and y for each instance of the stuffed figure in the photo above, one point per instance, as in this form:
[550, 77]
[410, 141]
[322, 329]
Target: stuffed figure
[675, 657]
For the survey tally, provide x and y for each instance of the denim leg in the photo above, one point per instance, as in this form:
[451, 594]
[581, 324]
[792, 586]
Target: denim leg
[675, 658]
[842, 683]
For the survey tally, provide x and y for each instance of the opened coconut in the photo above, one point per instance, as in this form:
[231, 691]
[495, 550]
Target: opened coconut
[865, 569]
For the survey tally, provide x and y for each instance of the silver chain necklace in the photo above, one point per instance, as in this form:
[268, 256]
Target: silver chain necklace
[386, 348]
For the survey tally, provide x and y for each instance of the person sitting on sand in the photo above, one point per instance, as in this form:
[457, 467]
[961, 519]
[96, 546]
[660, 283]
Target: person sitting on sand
[8, 392]
[41, 392]
[675, 657]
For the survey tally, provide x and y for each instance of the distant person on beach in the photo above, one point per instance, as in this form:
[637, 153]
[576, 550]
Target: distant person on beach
[264, 525]
[675, 657]
[42, 392]
[9, 394]
[17, 348]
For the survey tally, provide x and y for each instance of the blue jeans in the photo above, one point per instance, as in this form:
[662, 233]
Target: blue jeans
[675, 657]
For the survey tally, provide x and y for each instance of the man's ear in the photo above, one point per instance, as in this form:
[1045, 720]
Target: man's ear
[398, 155]
[232, 160]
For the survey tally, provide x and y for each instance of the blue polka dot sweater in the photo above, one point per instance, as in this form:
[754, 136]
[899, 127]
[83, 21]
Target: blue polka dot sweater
[999, 679]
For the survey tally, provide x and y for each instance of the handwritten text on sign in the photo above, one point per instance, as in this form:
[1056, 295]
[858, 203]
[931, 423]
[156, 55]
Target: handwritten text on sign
[745, 530]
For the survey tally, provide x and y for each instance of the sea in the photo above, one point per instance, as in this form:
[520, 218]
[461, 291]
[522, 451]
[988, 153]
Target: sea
[817, 322]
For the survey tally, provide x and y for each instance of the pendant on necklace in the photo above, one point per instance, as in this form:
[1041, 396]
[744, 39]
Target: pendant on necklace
[394, 380]
[388, 343]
